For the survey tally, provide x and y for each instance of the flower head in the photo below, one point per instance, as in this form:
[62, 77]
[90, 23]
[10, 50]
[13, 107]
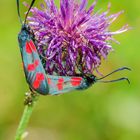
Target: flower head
[72, 38]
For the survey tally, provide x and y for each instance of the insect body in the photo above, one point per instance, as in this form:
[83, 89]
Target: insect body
[35, 74]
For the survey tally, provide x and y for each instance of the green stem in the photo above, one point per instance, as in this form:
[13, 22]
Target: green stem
[24, 121]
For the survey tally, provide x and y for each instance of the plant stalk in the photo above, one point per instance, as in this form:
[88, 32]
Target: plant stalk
[21, 131]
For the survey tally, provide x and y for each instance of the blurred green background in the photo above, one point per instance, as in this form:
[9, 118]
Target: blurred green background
[103, 112]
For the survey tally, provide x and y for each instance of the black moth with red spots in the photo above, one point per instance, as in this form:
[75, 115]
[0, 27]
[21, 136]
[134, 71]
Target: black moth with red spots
[35, 74]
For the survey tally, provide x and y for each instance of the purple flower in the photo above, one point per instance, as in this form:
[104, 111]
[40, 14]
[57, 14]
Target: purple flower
[71, 38]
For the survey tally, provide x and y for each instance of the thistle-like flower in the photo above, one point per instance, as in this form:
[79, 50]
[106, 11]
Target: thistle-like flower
[72, 39]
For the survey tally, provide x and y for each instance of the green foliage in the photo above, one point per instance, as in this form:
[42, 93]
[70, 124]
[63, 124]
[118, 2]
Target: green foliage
[103, 112]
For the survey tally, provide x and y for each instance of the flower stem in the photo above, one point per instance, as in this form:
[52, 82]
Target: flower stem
[20, 134]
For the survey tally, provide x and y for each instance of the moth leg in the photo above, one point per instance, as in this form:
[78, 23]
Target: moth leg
[30, 97]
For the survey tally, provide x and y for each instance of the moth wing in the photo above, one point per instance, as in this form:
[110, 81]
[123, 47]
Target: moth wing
[63, 84]
[34, 71]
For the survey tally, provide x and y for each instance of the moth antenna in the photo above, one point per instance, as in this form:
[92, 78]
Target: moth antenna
[32, 3]
[18, 10]
[116, 80]
[119, 69]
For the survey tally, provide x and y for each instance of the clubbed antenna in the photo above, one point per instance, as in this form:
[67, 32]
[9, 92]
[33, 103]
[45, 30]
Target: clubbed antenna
[120, 69]
[116, 80]
[32, 3]
[19, 16]
[18, 9]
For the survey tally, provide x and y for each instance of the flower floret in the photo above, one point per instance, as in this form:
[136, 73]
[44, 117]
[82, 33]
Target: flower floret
[72, 38]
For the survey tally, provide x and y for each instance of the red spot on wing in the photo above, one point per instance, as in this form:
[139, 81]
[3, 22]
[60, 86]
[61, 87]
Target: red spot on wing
[76, 81]
[60, 84]
[39, 78]
[36, 62]
[30, 47]
[49, 81]
[32, 67]
[36, 84]
[60, 80]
